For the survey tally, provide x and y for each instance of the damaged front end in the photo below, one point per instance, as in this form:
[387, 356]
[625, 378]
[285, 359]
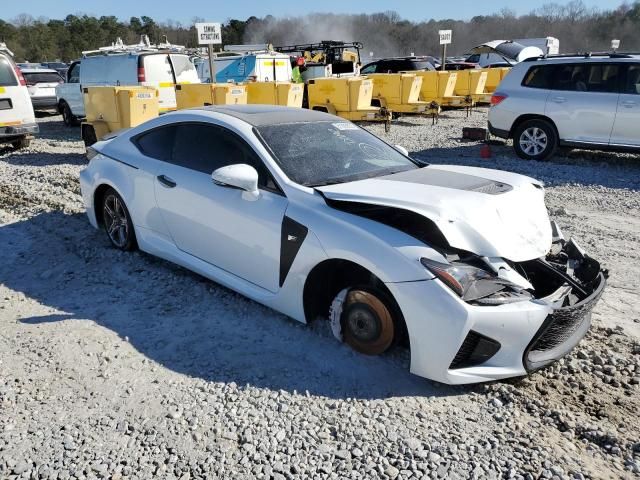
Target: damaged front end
[567, 280]
[571, 282]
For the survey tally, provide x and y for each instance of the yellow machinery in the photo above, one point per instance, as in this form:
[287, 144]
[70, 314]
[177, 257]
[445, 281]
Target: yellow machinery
[109, 109]
[494, 77]
[469, 88]
[400, 93]
[199, 94]
[347, 97]
[285, 94]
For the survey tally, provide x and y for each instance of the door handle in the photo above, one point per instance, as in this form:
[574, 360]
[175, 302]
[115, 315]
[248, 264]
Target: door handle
[629, 104]
[558, 99]
[166, 181]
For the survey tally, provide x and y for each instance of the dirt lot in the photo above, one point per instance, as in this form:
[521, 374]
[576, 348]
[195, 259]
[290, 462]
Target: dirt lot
[120, 365]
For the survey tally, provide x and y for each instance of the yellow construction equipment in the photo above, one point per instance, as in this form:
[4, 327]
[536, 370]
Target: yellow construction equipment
[493, 80]
[109, 109]
[199, 94]
[347, 97]
[400, 93]
[504, 71]
[285, 94]
[469, 87]
[494, 77]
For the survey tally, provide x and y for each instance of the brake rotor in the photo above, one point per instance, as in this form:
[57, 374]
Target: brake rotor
[367, 325]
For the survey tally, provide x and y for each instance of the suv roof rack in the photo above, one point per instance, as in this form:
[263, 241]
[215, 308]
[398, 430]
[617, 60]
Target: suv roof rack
[144, 46]
[584, 55]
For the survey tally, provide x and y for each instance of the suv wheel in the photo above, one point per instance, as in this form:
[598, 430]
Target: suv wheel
[535, 140]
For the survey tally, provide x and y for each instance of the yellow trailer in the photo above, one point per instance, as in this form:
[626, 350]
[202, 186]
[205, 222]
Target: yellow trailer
[494, 77]
[347, 97]
[285, 94]
[199, 94]
[109, 109]
[436, 85]
[400, 93]
[469, 87]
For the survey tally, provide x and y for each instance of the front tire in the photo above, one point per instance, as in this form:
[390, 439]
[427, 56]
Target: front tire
[367, 323]
[535, 140]
[117, 221]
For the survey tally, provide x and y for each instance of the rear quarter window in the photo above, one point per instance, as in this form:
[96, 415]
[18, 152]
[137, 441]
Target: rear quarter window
[7, 75]
[540, 76]
[157, 143]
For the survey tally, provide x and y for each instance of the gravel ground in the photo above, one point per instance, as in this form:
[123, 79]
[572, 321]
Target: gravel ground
[118, 365]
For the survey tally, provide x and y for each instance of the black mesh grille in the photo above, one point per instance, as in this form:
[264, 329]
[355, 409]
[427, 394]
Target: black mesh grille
[475, 349]
[562, 330]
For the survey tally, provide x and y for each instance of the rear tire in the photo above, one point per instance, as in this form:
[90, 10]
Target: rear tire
[24, 142]
[117, 221]
[367, 323]
[69, 119]
[535, 140]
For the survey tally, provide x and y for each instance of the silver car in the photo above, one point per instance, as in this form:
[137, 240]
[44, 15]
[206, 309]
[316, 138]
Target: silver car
[42, 83]
[590, 101]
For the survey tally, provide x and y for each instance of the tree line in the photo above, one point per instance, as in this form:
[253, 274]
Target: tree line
[578, 27]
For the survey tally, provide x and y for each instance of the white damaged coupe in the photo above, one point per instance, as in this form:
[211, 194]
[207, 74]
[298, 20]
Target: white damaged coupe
[315, 217]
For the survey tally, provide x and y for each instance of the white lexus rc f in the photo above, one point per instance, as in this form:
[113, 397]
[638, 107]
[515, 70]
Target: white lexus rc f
[315, 217]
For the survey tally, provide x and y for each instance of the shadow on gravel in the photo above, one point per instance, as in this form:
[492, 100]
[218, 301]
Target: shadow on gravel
[53, 128]
[42, 159]
[589, 168]
[183, 321]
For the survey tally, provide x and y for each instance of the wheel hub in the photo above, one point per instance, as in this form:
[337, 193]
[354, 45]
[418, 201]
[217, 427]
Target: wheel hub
[363, 322]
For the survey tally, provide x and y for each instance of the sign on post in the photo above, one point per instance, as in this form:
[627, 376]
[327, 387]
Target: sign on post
[210, 34]
[615, 44]
[445, 39]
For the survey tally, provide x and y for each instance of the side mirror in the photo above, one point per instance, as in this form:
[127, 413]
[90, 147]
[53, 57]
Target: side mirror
[241, 176]
[402, 150]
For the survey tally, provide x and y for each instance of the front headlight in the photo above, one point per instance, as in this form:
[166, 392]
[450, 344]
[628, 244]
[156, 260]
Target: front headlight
[475, 284]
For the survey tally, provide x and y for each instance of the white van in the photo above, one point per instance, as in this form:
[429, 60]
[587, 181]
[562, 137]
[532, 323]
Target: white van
[161, 69]
[17, 120]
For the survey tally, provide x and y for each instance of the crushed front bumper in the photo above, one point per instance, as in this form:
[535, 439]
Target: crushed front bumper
[562, 330]
[456, 342]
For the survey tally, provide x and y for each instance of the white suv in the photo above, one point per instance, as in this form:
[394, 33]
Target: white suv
[17, 120]
[583, 102]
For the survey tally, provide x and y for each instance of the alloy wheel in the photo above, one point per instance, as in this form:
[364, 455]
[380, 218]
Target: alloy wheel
[533, 141]
[116, 221]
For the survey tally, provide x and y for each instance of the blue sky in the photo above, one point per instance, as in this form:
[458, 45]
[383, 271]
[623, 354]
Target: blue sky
[215, 10]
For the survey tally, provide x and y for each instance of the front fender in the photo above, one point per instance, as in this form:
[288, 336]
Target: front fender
[388, 253]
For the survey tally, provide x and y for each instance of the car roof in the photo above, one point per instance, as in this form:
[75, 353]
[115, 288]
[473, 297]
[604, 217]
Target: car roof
[261, 115]
[586, 58]
[38, 70]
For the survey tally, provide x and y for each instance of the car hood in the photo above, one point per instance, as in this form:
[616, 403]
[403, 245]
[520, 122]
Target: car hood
[487, 212]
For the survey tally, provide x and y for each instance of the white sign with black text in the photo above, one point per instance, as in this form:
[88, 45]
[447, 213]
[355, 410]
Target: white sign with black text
[209, 33]
[445, 37]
